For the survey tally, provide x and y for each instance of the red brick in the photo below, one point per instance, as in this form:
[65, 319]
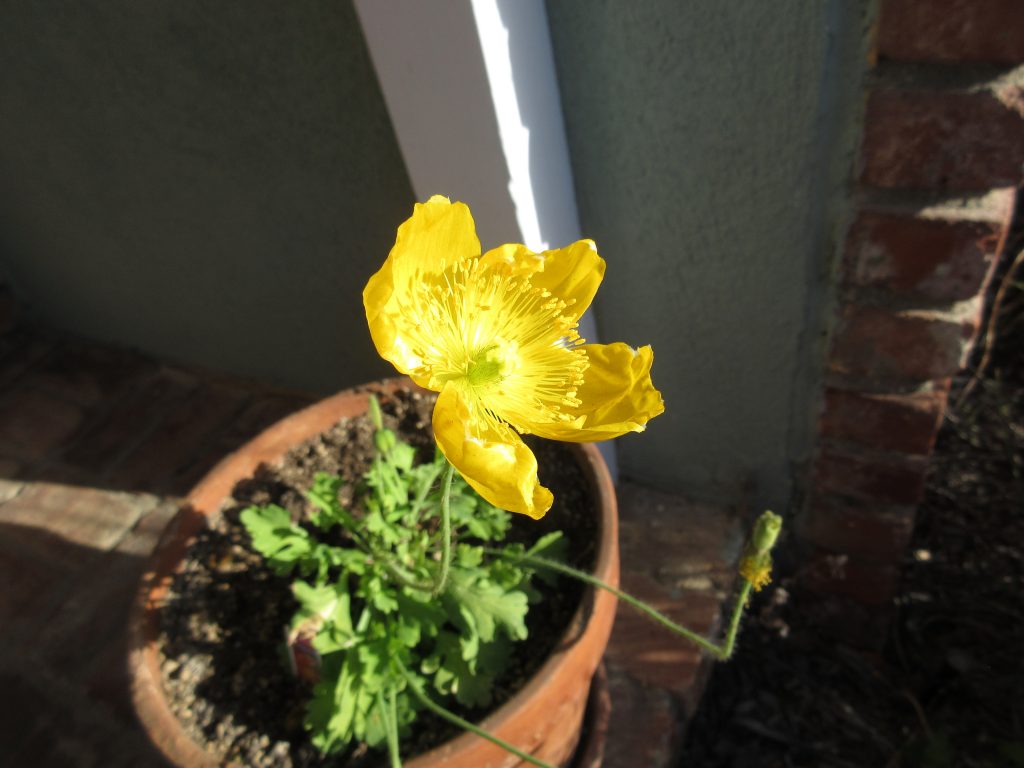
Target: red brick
[943, 140]
[19, 351]
[10, 486]
[97, 620]
[644, 729]
[902, 423]
[95, 614]
[87, 517]
[35, 544]
[174, 443]
[264, 411]
[9, 470]
[865, 581]
[142, 539]
[875, 531]
[952, 30]
[75, 587]
[888, 480]
[26, 580]
[677, 541]
[34, 425]
[47, 723]
[939, 258]
[39, 570]
[649, 652]
[95, 610]
[902, 346]
[85, 373]
[129, 421]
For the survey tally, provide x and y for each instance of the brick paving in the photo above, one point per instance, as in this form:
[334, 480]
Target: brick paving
[98, 444]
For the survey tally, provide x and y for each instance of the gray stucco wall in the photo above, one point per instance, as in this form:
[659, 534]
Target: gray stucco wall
[711, 143]
[211, 181]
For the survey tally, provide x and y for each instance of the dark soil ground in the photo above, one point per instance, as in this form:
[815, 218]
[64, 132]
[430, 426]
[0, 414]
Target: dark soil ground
[946, 689]
[223, 626]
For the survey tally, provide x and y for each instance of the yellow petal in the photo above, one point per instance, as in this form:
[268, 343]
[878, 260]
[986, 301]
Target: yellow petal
[617, 396]
[439, 233]
[572, 274]
[517, 259]
[498, 465]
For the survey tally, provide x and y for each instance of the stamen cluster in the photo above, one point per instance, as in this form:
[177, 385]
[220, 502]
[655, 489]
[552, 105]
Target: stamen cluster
[509, 345]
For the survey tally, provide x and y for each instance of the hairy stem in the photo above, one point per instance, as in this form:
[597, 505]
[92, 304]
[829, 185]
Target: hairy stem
[400, 575]
[451, 717]
[734, 621]
[391, 722]
[446, 531]
[722, 652]
[421, 495]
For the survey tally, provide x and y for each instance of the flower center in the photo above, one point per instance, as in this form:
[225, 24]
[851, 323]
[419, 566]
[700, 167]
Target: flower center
[485, 367]
[511, 345]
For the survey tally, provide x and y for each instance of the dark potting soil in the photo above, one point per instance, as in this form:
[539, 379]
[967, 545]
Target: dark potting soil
[223, 626]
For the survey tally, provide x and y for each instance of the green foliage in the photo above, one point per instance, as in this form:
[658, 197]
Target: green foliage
[483, 606]
[368, 607]
[285, 546]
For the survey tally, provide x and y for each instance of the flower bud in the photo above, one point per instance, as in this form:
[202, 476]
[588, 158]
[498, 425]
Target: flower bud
[375, 417]
[385, 440]
[756, 563]
[766, 532]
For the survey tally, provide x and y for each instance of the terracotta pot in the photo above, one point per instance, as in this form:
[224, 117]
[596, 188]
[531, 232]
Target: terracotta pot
[543, 719]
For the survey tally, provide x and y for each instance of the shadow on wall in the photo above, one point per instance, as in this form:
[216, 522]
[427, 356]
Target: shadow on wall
[213, 183]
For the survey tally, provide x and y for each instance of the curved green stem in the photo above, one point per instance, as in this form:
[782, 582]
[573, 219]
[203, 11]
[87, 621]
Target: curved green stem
[421, 495]
[350, 528]
[734, 621]
[722, 652]
[446, 532]
[391, 726]
[404, 578]
[451, 717]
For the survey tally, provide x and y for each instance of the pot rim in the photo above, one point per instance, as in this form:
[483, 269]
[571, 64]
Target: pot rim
[206, 499]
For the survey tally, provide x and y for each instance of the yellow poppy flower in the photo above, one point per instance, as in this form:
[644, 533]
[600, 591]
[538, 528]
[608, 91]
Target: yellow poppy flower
[495, 335]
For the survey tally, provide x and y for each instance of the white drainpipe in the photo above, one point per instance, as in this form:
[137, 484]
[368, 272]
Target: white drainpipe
[471, 89]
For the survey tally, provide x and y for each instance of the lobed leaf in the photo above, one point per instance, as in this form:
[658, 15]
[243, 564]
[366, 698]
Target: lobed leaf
[283, 544]
[324, 496]
[485, 606]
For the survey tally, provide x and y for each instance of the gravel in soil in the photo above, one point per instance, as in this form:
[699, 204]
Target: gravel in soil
[223, 625]
[945, 690]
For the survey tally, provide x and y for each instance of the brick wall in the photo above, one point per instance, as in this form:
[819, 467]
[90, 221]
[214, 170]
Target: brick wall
[940, 162]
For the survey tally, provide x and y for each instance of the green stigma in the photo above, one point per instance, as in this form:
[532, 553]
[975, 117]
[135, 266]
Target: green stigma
[483, 369]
